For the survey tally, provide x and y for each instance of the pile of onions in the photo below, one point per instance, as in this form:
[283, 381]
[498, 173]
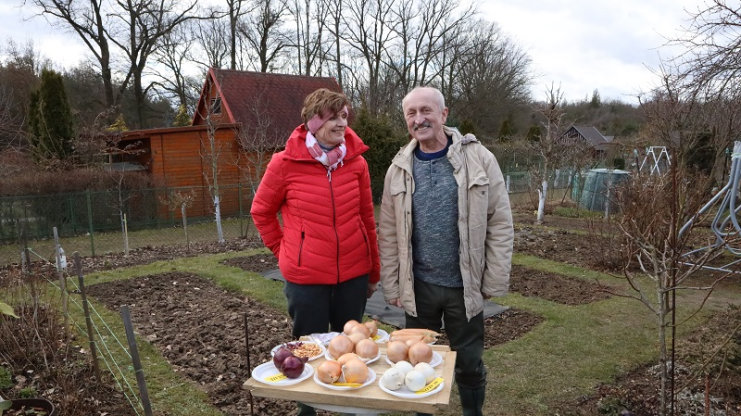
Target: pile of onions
[372, 327]
[420, 352]
[396, 351]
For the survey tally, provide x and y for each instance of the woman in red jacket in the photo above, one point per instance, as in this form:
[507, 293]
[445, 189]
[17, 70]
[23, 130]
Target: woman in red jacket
[326, 246]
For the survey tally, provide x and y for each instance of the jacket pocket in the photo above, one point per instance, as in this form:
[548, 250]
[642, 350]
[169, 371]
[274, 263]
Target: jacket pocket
[301, 246]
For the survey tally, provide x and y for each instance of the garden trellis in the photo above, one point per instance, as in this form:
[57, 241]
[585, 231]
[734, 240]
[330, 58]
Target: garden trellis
[725, 224]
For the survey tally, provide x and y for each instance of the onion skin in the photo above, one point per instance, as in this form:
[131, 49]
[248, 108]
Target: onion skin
[347, 357]
[355, 371]
[372, 327]
[292, 367]
[360, 328]
[356, 337]
[349, 326]
[329, 371]
[366, 348]
[420, 352]
[396, 351]
[280, 355]
[340, 345]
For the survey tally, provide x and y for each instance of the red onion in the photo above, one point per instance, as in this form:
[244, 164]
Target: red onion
[292, 367]
[280, 355]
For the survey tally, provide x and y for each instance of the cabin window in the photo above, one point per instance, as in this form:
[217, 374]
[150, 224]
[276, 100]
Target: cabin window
[216, 105]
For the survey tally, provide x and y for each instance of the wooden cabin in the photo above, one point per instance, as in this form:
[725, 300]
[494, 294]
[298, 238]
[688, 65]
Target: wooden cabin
[240, 120]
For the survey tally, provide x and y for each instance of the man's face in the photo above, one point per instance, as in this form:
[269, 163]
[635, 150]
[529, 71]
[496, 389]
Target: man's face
[424, 117]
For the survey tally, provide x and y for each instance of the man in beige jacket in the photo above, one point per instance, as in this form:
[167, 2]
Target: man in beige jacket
[445, 236]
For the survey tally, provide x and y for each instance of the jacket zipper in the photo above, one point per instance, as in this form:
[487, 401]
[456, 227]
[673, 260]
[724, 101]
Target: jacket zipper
[301, 246]
[334, 223]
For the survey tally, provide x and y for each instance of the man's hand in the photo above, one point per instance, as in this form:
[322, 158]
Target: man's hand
[396, 302]
[371, 289]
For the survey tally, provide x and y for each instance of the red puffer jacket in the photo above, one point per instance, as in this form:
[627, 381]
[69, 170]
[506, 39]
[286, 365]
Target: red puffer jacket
[329, 230]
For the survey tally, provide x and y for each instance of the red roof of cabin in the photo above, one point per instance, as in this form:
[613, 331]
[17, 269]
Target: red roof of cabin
[259, 98]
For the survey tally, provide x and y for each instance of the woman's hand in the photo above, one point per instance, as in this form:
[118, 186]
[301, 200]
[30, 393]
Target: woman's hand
[371, 289]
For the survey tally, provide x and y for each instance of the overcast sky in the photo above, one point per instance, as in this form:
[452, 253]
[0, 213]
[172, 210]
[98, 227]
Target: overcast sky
[579, 45]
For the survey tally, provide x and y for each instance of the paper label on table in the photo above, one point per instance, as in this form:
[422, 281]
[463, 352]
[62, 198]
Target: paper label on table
[275, 378]
[428, 388]
[341, 384]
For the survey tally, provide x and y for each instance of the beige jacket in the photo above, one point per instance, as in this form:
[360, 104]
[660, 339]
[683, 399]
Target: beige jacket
[484, 224]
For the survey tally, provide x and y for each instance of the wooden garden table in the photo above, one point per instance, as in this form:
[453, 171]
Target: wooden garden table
[367, 400]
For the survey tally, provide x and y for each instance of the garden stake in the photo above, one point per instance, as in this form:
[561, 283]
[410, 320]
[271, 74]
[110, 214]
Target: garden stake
[88, 322]
[249, 364]
[136, 361]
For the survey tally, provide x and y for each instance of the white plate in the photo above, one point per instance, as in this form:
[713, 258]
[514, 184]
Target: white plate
[321, 348]
[328, 356]
[405, 393]
[268, 369]
[381, 336]
[370, 380]
[437, 359]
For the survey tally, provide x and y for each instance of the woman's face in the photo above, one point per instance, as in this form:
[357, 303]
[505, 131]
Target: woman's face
[332, 131]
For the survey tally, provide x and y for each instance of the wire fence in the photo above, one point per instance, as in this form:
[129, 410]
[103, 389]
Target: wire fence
[117, 221]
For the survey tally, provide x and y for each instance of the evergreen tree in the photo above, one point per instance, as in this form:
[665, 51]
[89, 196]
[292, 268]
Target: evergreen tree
[182, 118]
[384, 143]
[50, 119]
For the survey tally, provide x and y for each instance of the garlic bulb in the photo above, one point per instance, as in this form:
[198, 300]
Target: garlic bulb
[427, 370]
[414, 380]
[404, 366]
[392, 379]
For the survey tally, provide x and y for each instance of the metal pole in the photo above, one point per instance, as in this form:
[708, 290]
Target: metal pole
[136, 361]
[86, 310]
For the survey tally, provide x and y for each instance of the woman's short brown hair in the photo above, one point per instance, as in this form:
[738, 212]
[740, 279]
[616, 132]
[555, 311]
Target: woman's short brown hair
[322, 101]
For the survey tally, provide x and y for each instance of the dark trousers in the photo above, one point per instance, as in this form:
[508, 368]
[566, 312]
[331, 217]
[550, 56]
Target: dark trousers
[438, 304]
[322, 308]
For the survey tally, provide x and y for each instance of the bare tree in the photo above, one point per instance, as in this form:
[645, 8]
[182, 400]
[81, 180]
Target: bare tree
[710, 69]
[367, 33]
[174, 55]
[90, 22]
[142, 26]
[211, 36]
[262, 31]
[548, 147]
[259, 139]
[310, 31]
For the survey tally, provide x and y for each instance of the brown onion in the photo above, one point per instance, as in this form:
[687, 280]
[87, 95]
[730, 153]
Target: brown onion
[339, 345]
[362, 329]
[420, 352]
[356, 337]
[396, 351]
[372, 327]
[355, 371]
[349, 325]
[329, 371]
[366, 348]
[346, 357]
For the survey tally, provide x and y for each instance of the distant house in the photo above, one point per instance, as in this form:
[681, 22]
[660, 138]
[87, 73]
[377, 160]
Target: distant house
[590, 136]
[247, 113]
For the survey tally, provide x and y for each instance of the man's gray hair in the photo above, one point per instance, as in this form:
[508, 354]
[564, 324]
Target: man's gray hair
[438, 96]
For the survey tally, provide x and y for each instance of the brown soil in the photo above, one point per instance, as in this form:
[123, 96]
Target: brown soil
[201, 329]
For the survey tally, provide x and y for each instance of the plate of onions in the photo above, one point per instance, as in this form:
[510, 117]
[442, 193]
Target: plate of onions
[436, 360]
[341, 383]
[269, 374]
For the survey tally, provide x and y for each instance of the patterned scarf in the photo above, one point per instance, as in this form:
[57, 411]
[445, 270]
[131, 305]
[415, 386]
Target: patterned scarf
[331, 158]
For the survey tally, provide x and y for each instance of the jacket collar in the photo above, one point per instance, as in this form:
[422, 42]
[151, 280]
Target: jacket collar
[403, 159]
[296, 145]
